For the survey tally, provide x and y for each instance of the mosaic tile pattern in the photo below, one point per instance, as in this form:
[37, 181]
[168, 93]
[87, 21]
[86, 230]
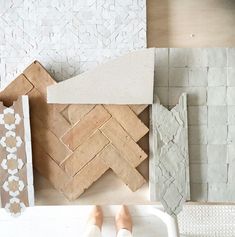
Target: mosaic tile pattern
[208, 77]
[67, 37]
[16, 175]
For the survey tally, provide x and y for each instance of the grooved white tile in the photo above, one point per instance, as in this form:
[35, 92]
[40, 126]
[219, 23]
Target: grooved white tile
[197, 115]
[217, 154]
[217, 115]
[217, 76]
[197, 76]
[216, 95]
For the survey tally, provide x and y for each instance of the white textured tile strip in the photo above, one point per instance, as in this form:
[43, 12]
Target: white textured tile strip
[16, 171]
[169, 165]
[67, 37]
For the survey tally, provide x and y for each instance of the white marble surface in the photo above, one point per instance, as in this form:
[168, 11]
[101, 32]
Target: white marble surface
[207, 75]
[67, 37]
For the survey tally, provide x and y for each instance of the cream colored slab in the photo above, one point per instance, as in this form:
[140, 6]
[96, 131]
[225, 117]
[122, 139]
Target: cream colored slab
[125, 80]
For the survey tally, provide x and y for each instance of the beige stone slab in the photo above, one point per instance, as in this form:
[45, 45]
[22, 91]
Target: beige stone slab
[130, 176]
[125, 80]
[138, 109]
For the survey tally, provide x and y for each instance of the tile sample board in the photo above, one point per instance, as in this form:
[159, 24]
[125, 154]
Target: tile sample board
[68, 37]
[169, 162]
[125, 80]
[207, 75]
[16, 171]
[74, 145]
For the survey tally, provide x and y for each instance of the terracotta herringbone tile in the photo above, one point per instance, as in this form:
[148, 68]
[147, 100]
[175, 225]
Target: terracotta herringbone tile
[74, 145]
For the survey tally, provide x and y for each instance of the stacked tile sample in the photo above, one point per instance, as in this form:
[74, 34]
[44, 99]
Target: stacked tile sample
[74, 145]
[169, 164]
[125, 80]
[16, 172]
[68, 37]
[208, 78]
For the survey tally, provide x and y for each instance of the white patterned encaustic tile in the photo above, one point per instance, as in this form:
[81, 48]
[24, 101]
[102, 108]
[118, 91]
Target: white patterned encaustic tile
[12, 164]
[9, 118]
[15, 206]
[11, 141]
[13, 185]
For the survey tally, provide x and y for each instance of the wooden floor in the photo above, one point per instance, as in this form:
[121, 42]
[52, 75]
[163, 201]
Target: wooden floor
[191, 23]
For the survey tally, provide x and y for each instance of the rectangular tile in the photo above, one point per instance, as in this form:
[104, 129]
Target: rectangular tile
[89, 124]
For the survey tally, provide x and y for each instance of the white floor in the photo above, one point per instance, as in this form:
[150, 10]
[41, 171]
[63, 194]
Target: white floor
[69, 221]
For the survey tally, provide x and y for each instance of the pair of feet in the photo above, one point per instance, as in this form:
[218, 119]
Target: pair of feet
[123, 218]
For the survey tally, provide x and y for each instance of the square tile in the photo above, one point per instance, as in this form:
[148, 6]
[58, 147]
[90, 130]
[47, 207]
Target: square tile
[231, 76]
[199, 192]
[217, 76]
[197, 57]
[178, 57]
[217, 134]
[197, 154]
[217, 173]
[216, 96]
[231, 115]
[217, 192]
[178, 77]
[162, 93]
[231, 134]
[231, 57]
[217, 154]
[231, 153]
[231, 95]
[197, 115]
[197, 135]
[231, 172]
[198, 173]
[217, 115]
[161, 76]
[161, 57]
[217, 57]
[198, 77]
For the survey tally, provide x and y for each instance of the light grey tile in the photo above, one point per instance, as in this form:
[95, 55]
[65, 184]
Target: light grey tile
[197, 154]
[197, 135]
[161, 57]
[178, 77]
[217, 76]
[161, 76]
[217, 115]
[217, 154]
[231, 134]
[198, 173]
[199, 191]
[217, 192]
[217, 173]
[231, 115]
[231, 76]
[217, 134]
[231, 172]
[198, 77]
[178, 57]
[231, 95]
[162, 93]
[196, 95]
[231, 153]
[197, 115]
[231, 57]
[217, 57]
[197, 57]
[216, 96]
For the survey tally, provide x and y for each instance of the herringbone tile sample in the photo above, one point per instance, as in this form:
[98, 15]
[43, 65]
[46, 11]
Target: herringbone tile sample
[16, 172]
[74, 145]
